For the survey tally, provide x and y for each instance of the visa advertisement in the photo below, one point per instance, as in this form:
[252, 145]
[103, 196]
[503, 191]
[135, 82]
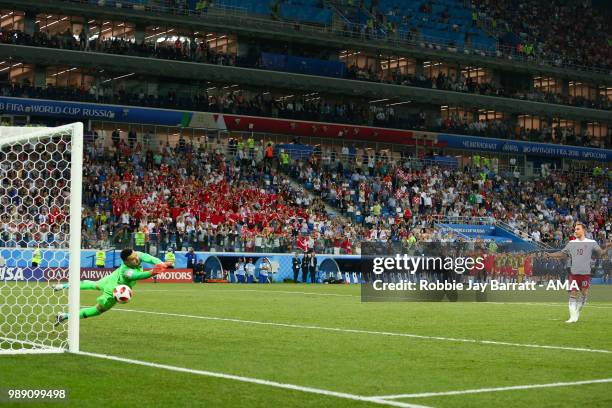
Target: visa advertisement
[19, 274]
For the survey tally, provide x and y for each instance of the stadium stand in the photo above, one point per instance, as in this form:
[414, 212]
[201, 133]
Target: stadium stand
[447, 22]
[313, 109]
[382, 198]
[222, 194]
[569, 33]
[226, 194]
[371, 189]
[562, 34]
[201, 52]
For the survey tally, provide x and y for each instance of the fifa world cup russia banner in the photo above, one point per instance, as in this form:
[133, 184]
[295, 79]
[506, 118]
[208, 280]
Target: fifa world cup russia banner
[240, 123]
[85, 111]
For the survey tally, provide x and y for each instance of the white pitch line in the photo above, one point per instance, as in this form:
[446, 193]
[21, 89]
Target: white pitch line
[380, 333]
[293, 387]
[497, 389]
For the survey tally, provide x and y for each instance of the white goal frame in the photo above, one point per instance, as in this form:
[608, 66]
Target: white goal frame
[24, 135]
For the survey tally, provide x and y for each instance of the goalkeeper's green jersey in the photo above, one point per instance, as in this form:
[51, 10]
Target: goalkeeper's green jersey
[126, 275]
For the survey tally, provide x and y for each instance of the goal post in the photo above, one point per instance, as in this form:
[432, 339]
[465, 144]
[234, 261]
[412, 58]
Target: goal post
[41, 171]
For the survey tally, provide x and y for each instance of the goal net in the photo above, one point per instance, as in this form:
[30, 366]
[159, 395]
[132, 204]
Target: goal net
[40, 237]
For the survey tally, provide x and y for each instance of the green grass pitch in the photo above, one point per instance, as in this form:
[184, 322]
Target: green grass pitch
[303, 354]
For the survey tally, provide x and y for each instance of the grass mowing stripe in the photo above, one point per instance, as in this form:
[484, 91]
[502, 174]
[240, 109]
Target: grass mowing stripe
[267, 292]
[336, 329]
[258, 381]
[596, 305]
[481, 390]
[295, 292]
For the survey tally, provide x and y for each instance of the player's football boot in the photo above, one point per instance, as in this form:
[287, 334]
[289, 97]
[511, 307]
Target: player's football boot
[574, 314]
[60, 318]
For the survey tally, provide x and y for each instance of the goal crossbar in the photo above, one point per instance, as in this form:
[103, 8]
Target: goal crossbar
[37, 133]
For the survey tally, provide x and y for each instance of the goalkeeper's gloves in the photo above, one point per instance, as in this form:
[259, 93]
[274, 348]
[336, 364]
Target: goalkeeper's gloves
[159, 268]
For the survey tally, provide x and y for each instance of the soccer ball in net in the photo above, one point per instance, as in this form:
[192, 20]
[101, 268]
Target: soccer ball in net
[122, 293]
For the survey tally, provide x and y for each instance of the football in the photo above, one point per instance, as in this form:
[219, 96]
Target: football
[122, 293]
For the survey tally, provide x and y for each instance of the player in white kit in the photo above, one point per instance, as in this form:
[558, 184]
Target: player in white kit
[580, 252]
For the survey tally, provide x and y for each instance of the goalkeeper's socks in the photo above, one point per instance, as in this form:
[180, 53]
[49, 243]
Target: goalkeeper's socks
[60, 286]
[88, 312]
[88, 285]
[83, 314]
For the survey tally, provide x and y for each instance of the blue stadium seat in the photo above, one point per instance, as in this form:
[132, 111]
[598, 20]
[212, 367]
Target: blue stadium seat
[306, 14]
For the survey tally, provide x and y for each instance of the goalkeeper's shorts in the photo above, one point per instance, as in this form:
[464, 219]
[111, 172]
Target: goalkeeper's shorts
[106, 300]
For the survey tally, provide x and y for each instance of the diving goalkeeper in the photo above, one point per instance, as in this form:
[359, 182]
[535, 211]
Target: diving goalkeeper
[128, 273]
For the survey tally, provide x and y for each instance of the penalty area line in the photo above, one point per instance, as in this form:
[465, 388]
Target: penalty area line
[371, 332]
[293, 387]
[496, 389]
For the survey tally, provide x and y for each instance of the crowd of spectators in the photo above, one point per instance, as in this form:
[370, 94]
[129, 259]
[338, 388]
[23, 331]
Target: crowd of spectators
[222, 195]
[318, 109]
[565, 135]
[397, 195]
[560, 33]
[566, 32]
[227, 195]
[243, 195]
[204, 196]
[309, 108]
[194, 51]
[467, 84]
